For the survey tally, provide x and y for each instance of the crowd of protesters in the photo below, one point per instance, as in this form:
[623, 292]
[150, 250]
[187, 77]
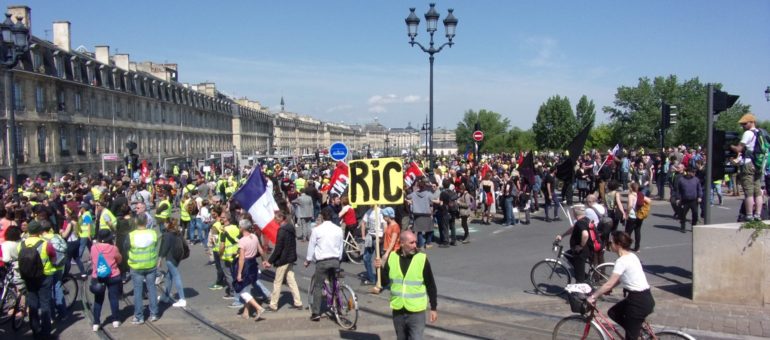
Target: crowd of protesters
[139, 228]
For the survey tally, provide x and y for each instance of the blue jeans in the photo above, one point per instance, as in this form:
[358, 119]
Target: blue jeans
[58, 293]
[73, 253]
[172, 275]
[114, 290]
[39, 303]
[205, 231]
[195, 230]
[509, 218]
[371, 276]
[424, 238]
[139, 278]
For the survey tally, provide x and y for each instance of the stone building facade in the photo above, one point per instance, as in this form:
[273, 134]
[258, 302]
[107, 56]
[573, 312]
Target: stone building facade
[74, 108]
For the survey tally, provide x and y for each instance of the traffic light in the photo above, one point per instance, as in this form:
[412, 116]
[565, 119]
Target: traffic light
[723, 101]
[724, 155]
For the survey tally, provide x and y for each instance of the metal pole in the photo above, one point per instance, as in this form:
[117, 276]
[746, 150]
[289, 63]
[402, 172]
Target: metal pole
[11, 114]
[709, 153]
[432, 160]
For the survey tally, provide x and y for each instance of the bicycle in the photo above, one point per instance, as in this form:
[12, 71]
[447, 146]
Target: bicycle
[551, 276]
[70, 289]
[340, 298]
[592, 324]
[354, 248]
[8, 296]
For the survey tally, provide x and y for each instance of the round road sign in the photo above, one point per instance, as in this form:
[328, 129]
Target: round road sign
[338, 151]
[478, 135]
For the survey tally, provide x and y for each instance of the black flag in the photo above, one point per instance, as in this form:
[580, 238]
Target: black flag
[565, 171]
[528, 168]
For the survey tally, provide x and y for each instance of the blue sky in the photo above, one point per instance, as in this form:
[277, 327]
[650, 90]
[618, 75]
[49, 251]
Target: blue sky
[350, 61]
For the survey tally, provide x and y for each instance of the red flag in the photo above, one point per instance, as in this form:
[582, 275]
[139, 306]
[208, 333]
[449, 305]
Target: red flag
[340, 179]
[412, 174]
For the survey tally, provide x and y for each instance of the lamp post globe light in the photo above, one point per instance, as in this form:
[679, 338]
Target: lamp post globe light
[14, 42]
[450, 24]
[767, 94]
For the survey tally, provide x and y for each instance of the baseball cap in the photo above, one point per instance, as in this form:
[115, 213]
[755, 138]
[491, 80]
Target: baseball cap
[388, 212]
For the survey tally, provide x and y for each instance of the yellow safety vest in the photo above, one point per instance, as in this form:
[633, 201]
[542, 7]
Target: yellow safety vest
[231, 248]
[231, 186]
[217, 229]
[143, 253]
[103, 224]
[408, 291]
[96, 193]
[188, 188]
[184, 215]
[84, 229]
[165, 214]
[48, 268]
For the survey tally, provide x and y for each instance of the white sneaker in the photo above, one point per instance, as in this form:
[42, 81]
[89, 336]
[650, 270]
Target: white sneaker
[95, 328]
[180, 303]
[115, 324]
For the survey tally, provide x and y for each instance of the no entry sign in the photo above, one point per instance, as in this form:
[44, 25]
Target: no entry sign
[478, 135]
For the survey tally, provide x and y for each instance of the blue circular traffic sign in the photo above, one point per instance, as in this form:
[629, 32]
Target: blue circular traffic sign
[338, 151]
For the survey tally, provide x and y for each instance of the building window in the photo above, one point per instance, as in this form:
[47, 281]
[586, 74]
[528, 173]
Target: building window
[80, 141]
[42, 138]
[59, 66]
[64, 148]
[78, 106]
[61, 104]
[93, 139]
[18, 98]
[39, 99]
[19, 144]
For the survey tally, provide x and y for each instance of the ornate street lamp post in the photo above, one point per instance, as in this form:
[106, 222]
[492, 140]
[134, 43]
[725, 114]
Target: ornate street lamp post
[14, 42]
[767, 93]
[450, 23]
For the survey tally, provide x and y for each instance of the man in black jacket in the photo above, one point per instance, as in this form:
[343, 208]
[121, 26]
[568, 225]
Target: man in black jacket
[283, 257]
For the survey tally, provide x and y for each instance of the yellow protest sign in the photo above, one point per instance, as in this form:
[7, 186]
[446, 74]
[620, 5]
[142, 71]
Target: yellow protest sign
[376, 181]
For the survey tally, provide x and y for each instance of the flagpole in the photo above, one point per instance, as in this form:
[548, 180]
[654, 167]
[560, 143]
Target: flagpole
[377, 245]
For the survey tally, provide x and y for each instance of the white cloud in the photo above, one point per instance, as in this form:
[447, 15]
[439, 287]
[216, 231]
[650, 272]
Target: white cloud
[378, 109]
[546, 50]
[411, 98]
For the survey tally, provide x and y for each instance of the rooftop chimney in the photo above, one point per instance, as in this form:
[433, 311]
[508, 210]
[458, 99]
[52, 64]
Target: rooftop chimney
[121, 61]
[103, 54]
[61, 35]
[21, 11]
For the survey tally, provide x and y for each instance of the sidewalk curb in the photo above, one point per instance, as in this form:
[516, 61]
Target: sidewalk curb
[697, 334]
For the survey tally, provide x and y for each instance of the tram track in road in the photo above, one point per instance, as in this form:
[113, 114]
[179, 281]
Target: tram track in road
[150, 330]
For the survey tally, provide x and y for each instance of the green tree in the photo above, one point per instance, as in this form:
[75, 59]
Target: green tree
[555, 125]
[600, 138]
[494, 126]
[520, 140]
[585, 112]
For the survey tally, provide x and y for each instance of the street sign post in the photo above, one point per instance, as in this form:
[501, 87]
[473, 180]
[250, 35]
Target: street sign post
[478, 135]
[338, 151]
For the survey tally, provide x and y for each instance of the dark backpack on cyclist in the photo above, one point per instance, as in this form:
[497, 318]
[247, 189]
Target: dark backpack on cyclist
[30, 264]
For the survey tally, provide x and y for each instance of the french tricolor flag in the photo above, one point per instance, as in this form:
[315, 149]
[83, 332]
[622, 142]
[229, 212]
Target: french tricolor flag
[256, 196]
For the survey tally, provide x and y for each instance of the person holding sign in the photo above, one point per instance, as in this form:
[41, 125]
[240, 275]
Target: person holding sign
[372, 225]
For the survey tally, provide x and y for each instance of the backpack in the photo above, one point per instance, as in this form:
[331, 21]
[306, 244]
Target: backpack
[595, 242]
[60, 246]
[644, 211]
[452, 206]
[761, 149]
[181, 249]
[30, 263]
[103, 269]
[605, 223]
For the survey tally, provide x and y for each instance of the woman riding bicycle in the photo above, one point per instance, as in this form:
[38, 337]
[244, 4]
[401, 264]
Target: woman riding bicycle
[638, 304]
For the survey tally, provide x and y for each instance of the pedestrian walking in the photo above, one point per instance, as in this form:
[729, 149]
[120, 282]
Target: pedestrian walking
[142, 245]
[171, 253]
[412, 288]
[247, 272]
[32, 252]
[283, 258]
[105, 277]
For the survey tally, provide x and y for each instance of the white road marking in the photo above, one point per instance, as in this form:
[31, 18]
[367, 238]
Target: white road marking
[667, 246]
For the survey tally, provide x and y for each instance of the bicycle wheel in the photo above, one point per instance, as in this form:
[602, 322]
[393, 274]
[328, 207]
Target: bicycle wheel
[70, 289]
[669, 335]
[19, 314]
[7, 304]
[354, 250]
[346, 307]
[601, 274]
[310, 292]
[577, 327]
[550, 277]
